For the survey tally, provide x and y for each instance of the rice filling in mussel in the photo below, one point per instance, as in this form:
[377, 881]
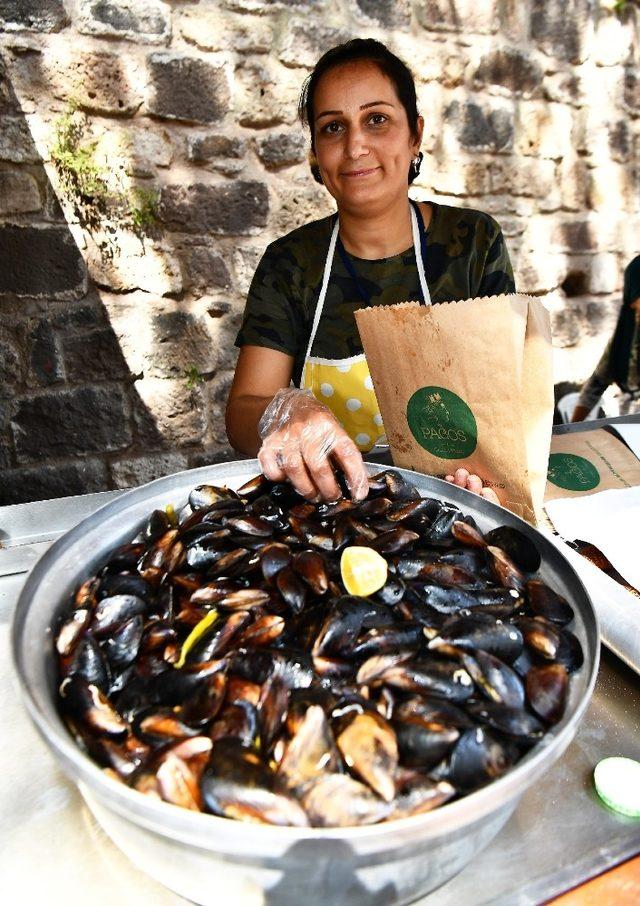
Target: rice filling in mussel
[218, 662]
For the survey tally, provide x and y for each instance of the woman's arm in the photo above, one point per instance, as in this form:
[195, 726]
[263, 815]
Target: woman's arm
[260, 373]
[594, 387]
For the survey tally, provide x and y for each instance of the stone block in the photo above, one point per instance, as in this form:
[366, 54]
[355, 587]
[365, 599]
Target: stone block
[281, 149]
[133, 472]
[149, 265]
[90, 313]
[459, 179]
[509, 69]
[574, 236]
[142, 21]
[203, 269]
[390, 14]
[48, 482]
[605, 274]
[544, 130]
[239, 209]
[539, 272]
[213, 456]
[19, 193]
[304, 42]
[611, 188]
[562, 87]
[32, 15]
[71, 423]
[41, 262]
[94, 355]
[620, 141]
[11, 365]
[173, 411]
[100, 82]
[480, 129]
[514, 21]
[574, 183]
[245, 261]
[632, 89]
[44, 357]
[463, 16]
[533, 178]
[187, 88]
[180, 343]
[213, 29]
[202, 149]
[563, 28]
[16, 141]
[266, 95]
[136, 152]
[300, 201]
[613, 44]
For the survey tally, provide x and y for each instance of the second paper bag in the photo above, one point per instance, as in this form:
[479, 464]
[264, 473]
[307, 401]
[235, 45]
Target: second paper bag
[467, 384]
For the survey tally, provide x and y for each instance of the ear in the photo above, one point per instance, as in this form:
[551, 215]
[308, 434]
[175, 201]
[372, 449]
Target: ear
[417, 141]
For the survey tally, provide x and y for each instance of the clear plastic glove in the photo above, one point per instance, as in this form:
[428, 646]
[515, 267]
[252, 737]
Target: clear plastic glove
[464, 479]
[300, 439]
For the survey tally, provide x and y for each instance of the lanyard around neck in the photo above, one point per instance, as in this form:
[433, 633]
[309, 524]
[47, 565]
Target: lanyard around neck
[419, 241]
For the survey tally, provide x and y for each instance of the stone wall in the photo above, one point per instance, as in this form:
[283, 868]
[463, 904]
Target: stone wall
[149, 151]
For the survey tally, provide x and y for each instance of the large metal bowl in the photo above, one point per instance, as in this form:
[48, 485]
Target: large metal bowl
[214, 860]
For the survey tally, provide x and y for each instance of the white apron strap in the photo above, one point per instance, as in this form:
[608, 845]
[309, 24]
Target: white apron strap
[417, 248]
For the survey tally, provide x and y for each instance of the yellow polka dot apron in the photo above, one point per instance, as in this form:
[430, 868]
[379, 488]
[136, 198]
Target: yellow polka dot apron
[344, 385]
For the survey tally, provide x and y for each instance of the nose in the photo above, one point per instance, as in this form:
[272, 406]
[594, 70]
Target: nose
[356, 146]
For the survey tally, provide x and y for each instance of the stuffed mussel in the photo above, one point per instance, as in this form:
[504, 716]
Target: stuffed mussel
[218, 661]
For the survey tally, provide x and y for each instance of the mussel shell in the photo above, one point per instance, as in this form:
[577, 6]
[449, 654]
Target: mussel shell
[513, 721]
[480, 630]
[547, 690]
[545, 602]
[121, 648]
[477, 758]
[494, 678]
[422, 746]
[516, 545]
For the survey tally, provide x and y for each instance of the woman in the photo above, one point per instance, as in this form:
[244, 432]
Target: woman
[380, 248]
[619, 363]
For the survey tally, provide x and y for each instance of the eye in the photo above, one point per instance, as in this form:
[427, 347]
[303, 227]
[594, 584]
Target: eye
[378, 119]
[332, 128]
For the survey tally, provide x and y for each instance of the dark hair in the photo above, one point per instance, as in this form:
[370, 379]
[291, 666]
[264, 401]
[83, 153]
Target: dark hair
[371, 51]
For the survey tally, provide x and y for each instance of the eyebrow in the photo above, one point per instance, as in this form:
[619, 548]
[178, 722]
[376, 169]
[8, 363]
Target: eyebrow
[362, 107]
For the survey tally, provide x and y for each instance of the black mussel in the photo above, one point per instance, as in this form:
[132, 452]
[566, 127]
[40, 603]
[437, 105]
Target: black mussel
[264, 630]
[242, 599]
[442, 525]
[392, 592]
[88, 704]
[540, 636]
[89, 663]
[72, 630]
[274, 557]
[423, 745]
[340, 628]
[404, 636]
[569, 653]
[450, 576]
[255, 487]
[111, 612]
[398, 487]
[203, 705]
[254, 664]
[156, 725]
[125, 559]
[311, 566]
[206, 495]
[204, 552]
[237, 784]
[294, 666]
[495, 679]
[173, 686]
[428, 711]
[446, 599]
[513, 721]
[124, 584]
[444, 678]
[375, 668]
[547, 690]
[311, 752]
[156, 525]
[394, 541]
[237, 721]
[468, 534]
[477, 758]
[374, 507]
[370, 750]
[413, 609]
[547, 603]
[178, 783]
[480, 630]
[249, 525]
[337, 800]
[272, 710]
[504, 570]
[218, 637]
[520, 549]
[291, 588]
[421, 795]
[121, 647]
[232, 564]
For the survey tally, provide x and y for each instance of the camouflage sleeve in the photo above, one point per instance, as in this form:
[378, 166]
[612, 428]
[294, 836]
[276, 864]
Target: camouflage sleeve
[271, 317]
[596, 385]
[497, 276]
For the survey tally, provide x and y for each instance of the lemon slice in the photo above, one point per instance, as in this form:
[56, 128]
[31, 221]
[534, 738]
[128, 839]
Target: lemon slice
[617, 782]
[196, 633]
[363, 570]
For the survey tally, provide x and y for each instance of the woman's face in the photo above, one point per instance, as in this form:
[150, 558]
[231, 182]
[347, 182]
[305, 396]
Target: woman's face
[362, 139]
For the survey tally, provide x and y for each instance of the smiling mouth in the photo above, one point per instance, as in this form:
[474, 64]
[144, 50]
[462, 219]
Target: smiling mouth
[355, 173]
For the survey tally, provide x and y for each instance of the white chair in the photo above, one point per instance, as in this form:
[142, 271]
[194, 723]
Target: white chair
[606, 407]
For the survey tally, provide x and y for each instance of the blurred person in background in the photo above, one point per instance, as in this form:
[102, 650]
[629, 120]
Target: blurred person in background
[620, 361]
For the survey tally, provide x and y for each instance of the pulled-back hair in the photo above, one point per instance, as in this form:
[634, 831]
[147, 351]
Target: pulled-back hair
[360, 50]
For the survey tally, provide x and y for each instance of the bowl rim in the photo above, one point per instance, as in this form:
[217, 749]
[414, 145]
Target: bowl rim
[211, 831]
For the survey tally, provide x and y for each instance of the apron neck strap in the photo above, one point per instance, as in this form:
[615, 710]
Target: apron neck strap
[323, 288]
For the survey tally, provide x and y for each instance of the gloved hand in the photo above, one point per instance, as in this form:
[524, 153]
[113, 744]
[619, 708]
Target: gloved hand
[300, 437]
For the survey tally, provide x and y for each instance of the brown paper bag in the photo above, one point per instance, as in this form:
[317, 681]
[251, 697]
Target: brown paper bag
[589, 461]
[467, 384]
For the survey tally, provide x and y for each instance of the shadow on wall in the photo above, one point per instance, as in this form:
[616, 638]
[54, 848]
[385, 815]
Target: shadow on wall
[71, 417]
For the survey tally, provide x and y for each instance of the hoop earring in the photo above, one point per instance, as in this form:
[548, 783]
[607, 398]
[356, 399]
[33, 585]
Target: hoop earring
[416, 163]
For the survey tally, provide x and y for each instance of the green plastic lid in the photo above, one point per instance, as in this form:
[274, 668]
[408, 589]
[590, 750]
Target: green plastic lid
[617, 782]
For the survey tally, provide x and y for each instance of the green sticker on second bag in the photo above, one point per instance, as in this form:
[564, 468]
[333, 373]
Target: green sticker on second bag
[442, 423]
[573, 473]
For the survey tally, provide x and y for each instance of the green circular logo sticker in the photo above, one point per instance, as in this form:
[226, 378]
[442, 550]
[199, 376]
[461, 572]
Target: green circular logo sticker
[573, 473]
[442, 423]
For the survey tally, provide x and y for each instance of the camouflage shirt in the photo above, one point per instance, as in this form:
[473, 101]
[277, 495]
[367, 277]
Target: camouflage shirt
[466, 257]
